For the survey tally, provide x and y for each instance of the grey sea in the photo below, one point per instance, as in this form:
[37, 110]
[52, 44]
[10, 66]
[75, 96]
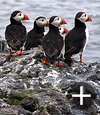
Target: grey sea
[63, 8]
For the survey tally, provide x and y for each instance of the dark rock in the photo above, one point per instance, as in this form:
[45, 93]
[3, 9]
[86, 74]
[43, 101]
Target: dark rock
[94, 77]
[2, 93]
[3, 45]
[49, 98]
[14, 110]
[36, 113]
[80, 70]
[30, 104]
[3, 104]
[53, 110]
[33, 72]
[47, 89]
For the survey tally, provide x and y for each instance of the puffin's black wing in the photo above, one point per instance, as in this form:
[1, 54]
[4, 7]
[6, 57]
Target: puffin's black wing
[52, 45]
[74, 43]
[15, 36]
[33, 39]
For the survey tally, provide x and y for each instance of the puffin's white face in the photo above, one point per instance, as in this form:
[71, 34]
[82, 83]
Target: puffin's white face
[41, 22]
[58, 21]
[20, 16]
[84, 18]
[63, 30]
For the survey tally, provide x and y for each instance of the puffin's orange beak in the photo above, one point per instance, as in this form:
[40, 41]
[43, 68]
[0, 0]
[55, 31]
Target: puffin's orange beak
[47, 23]
[66, 30]
[89, 19]
[26, 17]
[63, 21]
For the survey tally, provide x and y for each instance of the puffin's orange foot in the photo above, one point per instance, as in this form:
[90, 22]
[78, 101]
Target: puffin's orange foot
[59, 64]
[81, 60]
[12, 54]
[20, 52]
[45, 62]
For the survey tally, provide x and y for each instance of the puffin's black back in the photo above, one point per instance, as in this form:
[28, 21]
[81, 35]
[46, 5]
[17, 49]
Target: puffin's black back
[52, 42]
[15, 36]
[15, 33]
[35, 36]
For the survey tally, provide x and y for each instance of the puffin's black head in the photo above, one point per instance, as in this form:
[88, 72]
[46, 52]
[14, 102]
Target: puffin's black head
[41, 21]
[83, 17]
[18, 16]
[56, 21]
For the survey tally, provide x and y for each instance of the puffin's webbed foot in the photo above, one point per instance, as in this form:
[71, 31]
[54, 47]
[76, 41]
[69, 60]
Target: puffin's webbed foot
[59, 64]
[44, 61]
[10, 53]
[81, 59]
[20, 52]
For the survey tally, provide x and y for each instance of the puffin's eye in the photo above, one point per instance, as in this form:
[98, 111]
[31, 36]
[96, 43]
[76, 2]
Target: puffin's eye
[57, 18]
[19, 14]
[42, 20]
[85, 15]
[59, 28]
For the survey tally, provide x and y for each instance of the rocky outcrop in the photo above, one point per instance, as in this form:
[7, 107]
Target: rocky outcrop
[28, 87]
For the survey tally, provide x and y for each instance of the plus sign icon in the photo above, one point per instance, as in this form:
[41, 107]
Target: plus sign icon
[81, 95]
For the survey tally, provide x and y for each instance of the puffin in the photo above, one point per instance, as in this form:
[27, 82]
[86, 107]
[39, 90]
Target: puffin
[35, 36]
[15, 33]
[77, 37]
[52, 43]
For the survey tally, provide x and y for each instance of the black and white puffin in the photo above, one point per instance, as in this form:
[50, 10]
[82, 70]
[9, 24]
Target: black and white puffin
[15, 33]
[53, 42]
[35, 36]
[76, 39]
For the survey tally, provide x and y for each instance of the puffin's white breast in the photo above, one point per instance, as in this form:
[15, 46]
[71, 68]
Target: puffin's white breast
[87, 36]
